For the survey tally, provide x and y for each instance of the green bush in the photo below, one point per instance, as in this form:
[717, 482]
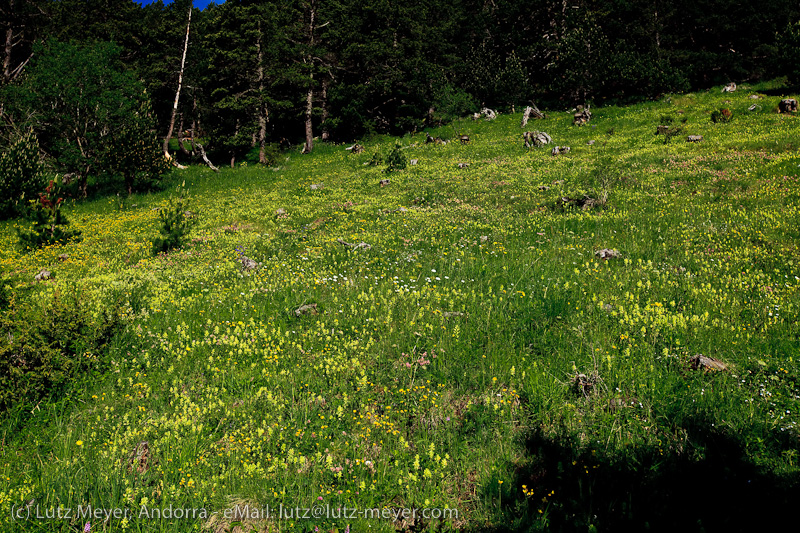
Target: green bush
[21, 175]
[396, 160]
[49, 223]
[45, 348]
[176, 223]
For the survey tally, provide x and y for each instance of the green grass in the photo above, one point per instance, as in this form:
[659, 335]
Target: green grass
[385, 399]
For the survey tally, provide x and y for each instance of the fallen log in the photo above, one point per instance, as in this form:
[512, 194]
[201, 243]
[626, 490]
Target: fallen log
[172, 161]
[487, 113]
[708, 364]
[354, 245]
[356, 148]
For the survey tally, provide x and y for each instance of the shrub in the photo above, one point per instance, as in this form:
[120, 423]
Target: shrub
[49, 223]
[47, 347]
[176, 223]
[377, 159]
[21, 175]
[396, 160]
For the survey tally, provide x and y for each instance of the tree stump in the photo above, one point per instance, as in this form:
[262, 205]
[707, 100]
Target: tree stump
[582, 117]
[694, 138]
[731, 87]
[530, 112]
[788, 105]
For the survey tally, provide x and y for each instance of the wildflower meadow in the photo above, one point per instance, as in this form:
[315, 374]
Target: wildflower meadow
[505, 339]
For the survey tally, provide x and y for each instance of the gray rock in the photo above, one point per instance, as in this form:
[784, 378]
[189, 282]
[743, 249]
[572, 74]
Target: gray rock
[307, 309]
[247, 263]
[606, 253]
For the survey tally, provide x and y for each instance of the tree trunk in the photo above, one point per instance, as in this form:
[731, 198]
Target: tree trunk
[181, 138]
[8, 48]
[324, 125]
[194, 122]
[263, 113]
[309, 131]
[178, 92]
[310, 95]
[10, 72]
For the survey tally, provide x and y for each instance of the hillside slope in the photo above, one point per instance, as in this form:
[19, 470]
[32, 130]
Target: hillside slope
[478, 355]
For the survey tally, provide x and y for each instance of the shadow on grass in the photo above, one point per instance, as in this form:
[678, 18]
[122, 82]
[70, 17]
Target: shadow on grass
[710, 486]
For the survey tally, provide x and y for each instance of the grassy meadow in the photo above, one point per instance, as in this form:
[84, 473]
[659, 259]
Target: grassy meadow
[478, 356]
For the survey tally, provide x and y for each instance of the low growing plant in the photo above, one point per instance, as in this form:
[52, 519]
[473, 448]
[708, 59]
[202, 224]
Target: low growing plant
[722, 116]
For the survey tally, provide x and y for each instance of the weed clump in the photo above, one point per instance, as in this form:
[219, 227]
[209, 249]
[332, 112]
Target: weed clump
[721, 116]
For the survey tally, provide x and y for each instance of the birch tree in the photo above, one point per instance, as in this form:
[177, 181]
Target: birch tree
[178, 91]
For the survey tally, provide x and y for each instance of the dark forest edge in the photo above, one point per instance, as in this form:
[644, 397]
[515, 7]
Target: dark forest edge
[103, 83]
